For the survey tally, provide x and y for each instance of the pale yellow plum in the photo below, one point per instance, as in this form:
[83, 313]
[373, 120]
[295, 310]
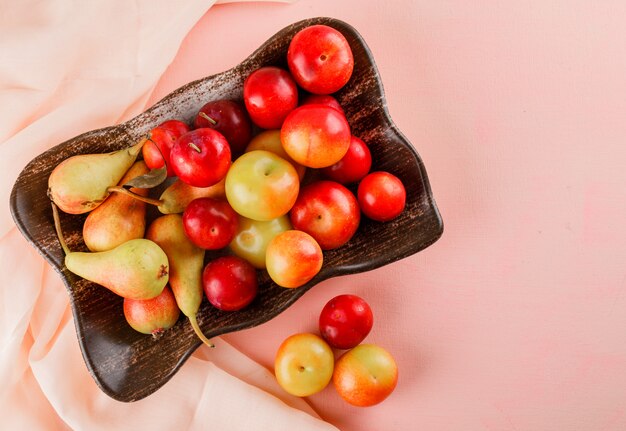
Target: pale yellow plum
[316, 136]
[261, 185]
[304, 364]
[253, 236]
[365, 375]
[293, 258]
[120, 217]
[269, 140]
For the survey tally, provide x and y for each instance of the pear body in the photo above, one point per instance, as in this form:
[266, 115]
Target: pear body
[79, 184]
[137, 269]
[119, 218]
[177, 196]
[185, 258]
[152, 316]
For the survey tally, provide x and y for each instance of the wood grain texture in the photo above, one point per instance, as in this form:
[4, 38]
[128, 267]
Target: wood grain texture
[129, 366]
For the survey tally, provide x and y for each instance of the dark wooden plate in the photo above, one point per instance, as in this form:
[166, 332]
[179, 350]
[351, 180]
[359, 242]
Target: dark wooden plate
[129, 366]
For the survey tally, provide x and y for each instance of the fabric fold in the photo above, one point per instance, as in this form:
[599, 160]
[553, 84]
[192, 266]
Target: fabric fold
[67, 67]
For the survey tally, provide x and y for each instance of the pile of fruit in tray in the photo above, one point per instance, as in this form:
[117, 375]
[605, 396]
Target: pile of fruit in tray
[232, 190]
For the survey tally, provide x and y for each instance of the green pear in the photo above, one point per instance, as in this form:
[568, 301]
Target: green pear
[177, 196]
[186, 264]
[120, 218]
[80, 183]
[137, 269]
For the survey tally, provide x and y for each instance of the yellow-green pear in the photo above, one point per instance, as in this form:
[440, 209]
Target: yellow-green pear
[120, 218]
[137, 269]
[186, 264]
[177, 196]
[80, 183]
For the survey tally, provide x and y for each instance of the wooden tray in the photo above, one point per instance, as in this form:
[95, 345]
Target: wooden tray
[129, 366]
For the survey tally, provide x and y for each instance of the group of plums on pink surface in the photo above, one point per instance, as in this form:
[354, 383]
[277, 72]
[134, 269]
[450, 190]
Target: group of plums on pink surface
[363, 376]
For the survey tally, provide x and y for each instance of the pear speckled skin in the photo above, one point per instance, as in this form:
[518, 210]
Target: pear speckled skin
[120, 218]
[152, 316]
[185, 258]
[177, 196]
[79, 184]
[137, 269]
[186, 263]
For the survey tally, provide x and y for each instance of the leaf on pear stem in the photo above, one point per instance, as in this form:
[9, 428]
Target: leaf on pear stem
[149, 180]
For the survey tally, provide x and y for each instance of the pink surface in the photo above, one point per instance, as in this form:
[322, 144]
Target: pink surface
[516, 318]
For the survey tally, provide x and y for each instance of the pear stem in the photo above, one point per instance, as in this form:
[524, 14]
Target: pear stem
[206, 117]
[198, 331]
[57, 227]
[125, 191]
